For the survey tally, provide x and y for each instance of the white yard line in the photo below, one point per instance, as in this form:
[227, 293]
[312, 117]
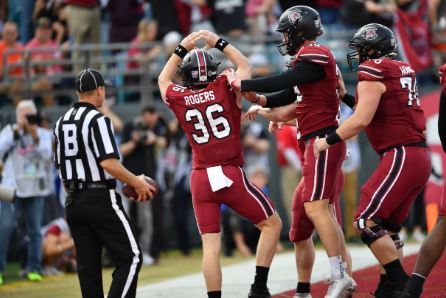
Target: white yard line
[237, 278]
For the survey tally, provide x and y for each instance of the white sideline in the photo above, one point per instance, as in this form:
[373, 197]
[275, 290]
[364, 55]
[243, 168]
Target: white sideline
[237, 278]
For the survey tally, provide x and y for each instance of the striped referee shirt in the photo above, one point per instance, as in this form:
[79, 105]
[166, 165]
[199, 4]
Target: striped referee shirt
[84, 137]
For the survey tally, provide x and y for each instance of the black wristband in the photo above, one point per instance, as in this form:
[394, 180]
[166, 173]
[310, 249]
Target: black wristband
[349, 100]
[181, 51]
[221, 44]
[333, 138]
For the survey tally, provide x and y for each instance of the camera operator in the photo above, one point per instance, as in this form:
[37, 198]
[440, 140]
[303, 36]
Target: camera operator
[26, 150]
[142, 140]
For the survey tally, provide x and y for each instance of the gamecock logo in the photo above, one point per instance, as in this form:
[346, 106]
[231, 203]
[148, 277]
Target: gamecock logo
[294, 16]
[369, 33]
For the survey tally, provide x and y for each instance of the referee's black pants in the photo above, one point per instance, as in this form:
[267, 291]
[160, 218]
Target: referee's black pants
[96, 219]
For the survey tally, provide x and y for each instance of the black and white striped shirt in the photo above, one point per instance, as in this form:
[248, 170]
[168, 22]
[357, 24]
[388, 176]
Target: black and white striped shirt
[84, 137]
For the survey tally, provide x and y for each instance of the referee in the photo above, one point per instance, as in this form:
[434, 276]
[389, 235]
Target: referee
[87, 158]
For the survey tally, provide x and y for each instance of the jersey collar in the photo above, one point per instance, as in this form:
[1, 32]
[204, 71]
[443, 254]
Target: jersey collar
[84, 104]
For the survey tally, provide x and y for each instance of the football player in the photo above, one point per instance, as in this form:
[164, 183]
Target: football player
[310, 86]
[388, 108]
[434, 244]
[209, 111]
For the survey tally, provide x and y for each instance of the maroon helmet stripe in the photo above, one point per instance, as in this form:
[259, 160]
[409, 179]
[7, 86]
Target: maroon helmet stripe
[202, 67]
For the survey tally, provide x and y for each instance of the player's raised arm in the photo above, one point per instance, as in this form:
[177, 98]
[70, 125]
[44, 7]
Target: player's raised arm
[168, 73]
[241, 62]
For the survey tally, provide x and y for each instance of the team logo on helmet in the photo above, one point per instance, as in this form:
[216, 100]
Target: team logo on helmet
[370, 33]
[295, 16]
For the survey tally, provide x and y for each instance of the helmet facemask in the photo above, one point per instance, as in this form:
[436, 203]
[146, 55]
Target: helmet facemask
[293, 43]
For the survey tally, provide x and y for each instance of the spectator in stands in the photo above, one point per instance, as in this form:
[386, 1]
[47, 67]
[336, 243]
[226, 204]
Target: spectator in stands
[10, 83]
[124, 19]
[329, 11]
[26, 25]
[193, 15]
[257, 12]
[229, 17]
[437, 17]
[84, 24]
[147, 31]
[53, 10]
[358, 12]
[289, 163]
[27, 151]
[164, 13]
[39, 58]
[412, 28]
[141, 140]
[181, 162]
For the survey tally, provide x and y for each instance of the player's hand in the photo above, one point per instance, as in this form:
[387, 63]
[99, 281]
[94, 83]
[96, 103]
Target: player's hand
[252, 112]
[230, 75]
[189, 41]
[210, 37]
[237, 85]
[442, 73]
[144, 190]
[319, 145]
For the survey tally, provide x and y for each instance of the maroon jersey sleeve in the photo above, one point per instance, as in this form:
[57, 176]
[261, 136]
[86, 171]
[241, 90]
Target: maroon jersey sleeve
[371, 70]
[314, 53]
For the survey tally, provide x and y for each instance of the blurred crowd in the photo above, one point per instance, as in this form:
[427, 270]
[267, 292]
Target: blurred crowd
[153, 144]
[43, 35]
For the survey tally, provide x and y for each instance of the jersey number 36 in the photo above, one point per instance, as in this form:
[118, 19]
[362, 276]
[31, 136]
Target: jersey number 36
[219, 126]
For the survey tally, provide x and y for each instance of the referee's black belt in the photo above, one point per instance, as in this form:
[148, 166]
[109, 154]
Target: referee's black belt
[323, 132]
[79, 185]
[421, 144]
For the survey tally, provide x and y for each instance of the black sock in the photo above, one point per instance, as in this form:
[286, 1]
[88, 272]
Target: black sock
[383, 278]
[416, 281]
[303, 287]
[395, 272]
[261, 277]
[214, 294]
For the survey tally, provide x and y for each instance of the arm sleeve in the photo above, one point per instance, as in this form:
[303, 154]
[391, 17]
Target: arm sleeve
[442, 120]
[7, 140]
[303, 72]
[281, 98]
[349, 100]
[103, 139]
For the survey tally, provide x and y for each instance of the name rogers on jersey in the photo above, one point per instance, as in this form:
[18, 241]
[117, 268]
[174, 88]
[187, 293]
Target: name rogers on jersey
[199, 98]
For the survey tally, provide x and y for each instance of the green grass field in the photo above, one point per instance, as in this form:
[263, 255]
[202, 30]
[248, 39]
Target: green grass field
[172, 264]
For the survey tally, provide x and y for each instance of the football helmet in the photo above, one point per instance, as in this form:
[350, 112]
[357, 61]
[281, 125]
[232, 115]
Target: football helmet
[199, 68]
[301, 23]
[371, 41]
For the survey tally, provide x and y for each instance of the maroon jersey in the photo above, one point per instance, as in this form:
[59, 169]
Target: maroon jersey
[399, 118]
[211, 120]
[318, 102]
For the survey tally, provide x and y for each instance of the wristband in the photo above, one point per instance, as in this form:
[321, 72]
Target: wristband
[181, 51]
[333, 138]
[221, 44]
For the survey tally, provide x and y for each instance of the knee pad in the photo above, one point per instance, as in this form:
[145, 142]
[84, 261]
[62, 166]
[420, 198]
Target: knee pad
[370, 235]
[398, 242]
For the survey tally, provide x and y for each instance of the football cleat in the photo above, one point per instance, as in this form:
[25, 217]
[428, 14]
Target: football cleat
[258, 293]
